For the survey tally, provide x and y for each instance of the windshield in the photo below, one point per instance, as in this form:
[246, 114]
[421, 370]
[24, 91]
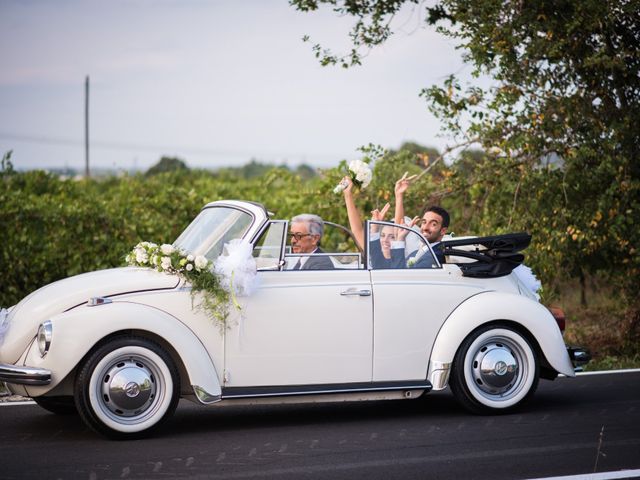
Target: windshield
[211, 229]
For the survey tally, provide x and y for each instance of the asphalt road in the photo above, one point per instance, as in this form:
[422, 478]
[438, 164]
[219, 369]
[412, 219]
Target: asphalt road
[571, 426]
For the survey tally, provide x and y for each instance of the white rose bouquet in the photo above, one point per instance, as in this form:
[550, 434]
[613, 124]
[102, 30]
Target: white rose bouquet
[360, 173]
[166, 258]
[197, 270]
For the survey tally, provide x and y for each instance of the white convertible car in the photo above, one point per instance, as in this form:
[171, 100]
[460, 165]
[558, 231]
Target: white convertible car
[121, 346]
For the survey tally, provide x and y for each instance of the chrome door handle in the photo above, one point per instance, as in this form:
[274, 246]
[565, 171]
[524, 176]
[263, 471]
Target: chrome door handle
[353, 291]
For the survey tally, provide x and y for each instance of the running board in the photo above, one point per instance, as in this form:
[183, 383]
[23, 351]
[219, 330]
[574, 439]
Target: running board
[229, 393]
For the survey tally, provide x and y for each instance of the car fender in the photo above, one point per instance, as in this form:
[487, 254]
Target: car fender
[495, 306]
[77, 331]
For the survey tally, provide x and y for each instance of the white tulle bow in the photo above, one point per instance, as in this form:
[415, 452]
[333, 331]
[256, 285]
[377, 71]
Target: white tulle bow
[4, 323]
[238, 267]
[528, 279]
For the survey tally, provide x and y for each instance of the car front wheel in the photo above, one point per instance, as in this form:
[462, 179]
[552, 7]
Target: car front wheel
[127, 387]
[495, 370]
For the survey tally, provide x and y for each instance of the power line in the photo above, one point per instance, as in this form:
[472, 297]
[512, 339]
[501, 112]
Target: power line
[48, 140]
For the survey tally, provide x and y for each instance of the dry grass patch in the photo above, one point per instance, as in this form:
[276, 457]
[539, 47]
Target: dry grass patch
[609, 324]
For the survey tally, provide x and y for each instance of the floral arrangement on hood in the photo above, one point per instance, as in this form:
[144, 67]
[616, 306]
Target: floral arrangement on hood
[232, 275]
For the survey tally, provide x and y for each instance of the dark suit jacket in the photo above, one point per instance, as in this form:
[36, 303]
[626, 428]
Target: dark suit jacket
[318, 263]
[377, 260]
[437, 250]
[425, 261]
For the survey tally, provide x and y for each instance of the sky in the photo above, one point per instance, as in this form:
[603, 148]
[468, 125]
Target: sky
[212, 82]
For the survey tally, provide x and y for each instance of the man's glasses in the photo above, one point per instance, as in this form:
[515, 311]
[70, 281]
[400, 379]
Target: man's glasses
[299, 236]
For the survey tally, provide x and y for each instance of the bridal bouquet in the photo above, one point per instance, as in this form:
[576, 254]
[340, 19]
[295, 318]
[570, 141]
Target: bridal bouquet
[360, 173]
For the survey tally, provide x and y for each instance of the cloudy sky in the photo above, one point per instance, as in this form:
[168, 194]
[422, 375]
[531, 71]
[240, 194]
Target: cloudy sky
[214, 82]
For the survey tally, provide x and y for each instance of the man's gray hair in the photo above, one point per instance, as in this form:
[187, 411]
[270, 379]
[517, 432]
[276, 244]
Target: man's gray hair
[315, 223]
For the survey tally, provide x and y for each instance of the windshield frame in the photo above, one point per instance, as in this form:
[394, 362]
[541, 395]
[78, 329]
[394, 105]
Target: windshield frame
[218, 234]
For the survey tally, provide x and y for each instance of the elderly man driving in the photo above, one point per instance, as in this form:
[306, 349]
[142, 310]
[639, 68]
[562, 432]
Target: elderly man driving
[306, 233]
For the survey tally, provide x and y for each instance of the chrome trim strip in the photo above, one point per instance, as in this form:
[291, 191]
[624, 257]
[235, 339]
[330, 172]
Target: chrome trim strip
[203, 396]
[319, 391]
[24, 375]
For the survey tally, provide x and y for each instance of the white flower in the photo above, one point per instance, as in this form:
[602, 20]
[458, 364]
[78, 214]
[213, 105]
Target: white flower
[189, 258]
[189, 267]
[495, 151]
[362, 172]
[364, 176]
[355, 165]
[167, 249]
[141, 255]
[201, 262]
[166, 263]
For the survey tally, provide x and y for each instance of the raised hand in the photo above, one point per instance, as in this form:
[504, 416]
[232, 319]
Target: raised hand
[348, 185]
[401, 233]
[402, 185]
[378, 216]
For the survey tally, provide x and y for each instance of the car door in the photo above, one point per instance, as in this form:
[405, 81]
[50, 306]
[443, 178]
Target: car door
[411, 300]
[301, 327]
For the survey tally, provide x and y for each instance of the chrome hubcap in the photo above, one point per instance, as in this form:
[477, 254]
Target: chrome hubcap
[128, 387]
[496, 368]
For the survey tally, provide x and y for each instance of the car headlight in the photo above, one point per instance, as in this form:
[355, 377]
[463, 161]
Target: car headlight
[45, 333]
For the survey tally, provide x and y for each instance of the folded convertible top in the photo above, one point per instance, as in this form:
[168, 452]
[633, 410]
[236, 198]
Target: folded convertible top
[494, 256]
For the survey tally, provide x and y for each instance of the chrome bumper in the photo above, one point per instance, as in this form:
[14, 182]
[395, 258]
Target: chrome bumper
[24, 375]
[579, 357]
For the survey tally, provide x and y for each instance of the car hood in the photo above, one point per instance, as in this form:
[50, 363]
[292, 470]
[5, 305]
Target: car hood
[57, 297]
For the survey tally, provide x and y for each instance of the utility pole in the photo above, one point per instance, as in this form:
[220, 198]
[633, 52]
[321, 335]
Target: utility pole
[86, 126]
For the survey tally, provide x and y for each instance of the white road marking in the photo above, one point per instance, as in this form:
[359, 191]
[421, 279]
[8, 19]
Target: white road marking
[597, 476]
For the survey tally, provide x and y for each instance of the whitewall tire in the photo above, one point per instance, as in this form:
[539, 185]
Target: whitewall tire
[495, 370]
[127, 387]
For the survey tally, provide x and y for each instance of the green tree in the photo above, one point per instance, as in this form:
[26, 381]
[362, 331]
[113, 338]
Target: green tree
[558, 124]
[167, 164]
[306, 172]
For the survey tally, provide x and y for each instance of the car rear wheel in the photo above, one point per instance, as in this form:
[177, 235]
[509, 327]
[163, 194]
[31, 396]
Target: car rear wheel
[63, 405]
[494, 371]
[127, 387]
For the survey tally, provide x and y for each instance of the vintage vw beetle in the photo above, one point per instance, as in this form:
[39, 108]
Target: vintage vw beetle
[121, 346]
